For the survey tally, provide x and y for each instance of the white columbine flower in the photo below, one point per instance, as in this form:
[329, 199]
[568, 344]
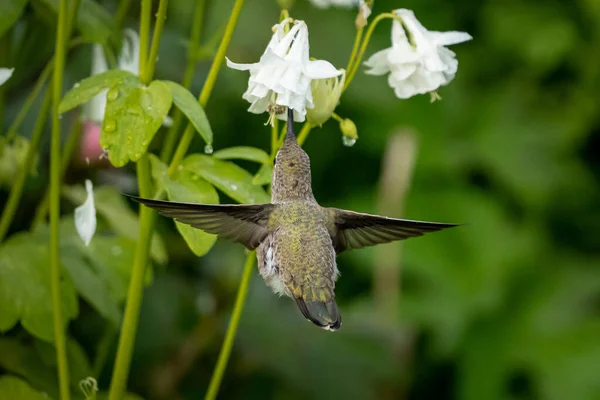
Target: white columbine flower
[85, 215]
[128, 61]
[5, 74]
[417, 64]
[282, 76]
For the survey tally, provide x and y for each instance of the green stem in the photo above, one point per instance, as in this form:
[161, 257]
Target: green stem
[217, 377]
[122, 12]
[37, 88]
[188, 76]
[188, 134]
[59, 327]
[363, 48]
[161, 16]
[14, 198]
[69, 148]
[144, 35]
[136, 287]
[274, 138]
[352, 59]
[306, 128]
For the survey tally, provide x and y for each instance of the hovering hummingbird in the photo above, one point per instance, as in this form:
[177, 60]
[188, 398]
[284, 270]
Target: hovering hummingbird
[296, 239]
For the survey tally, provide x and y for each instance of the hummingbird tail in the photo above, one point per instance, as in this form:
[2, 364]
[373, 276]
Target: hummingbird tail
[323, 314]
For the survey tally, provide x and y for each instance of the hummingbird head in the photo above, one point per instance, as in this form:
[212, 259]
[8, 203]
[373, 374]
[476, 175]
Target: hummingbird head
[291, 173]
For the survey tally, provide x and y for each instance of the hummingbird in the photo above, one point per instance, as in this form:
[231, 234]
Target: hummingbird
[296, 240]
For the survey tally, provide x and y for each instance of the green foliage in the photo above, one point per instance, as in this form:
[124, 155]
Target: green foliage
[134, 112]
[232, 180]
[12, 388]
[84, 91]
[11, 10]
[188, 104]
[25, 287]
[263, 176]
[94, 22]
[12, 158]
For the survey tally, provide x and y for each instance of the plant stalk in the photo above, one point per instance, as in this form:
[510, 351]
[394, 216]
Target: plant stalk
[211, 79]
[142, 250]
[217, 377]
[161, 16]
[188, 76]
[14, 198]
[306, 128]
[57, 81]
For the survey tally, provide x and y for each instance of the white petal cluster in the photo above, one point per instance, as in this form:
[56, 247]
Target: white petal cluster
[85, 215]
[283, 74]
[129, 60]
[419, 63]
[5, 74]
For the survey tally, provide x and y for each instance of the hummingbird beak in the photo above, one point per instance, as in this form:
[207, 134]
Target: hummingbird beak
[290, 135]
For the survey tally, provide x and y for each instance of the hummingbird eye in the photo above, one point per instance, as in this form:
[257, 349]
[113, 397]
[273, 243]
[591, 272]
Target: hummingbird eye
[292, 164]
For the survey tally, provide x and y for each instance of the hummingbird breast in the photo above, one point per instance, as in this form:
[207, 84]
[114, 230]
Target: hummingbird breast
[297, 258]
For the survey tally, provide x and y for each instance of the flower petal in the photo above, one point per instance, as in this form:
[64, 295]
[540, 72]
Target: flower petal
[129, 58]
[449, 38]
[240, 67]
[320, 69]
[5, 74]
[85, 215]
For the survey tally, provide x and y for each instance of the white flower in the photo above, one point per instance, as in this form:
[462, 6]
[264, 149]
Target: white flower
[282, 76]
[417, 64]
[129, 60]
[326, 96]
[5, 74]
[85, 215]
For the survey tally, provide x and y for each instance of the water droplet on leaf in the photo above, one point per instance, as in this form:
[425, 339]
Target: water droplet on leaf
[112, 94]
[233, 187]
[208, 149]
[348, 141]
[76, 85]
[110, 125]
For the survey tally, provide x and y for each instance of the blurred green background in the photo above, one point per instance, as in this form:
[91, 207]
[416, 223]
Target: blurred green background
[505, 307]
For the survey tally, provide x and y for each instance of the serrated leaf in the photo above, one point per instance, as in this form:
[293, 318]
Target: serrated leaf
[88, 88]
[112, 207]
[22, 359]
[189, 105]
[243, 153]
[25, 293]
[94, 22]
[11, 10]
[12, 388]
[263, 176]
[191, 188]
[234, 181]
[133, 115]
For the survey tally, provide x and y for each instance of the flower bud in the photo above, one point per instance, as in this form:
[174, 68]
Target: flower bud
[349, 131]
[326, 96]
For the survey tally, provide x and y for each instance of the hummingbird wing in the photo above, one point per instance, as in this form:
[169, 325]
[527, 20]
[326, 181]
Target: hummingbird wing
[245, 224]
[354, 230]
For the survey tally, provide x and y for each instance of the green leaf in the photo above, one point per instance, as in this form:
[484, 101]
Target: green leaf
[79, 365]
[22, 359]
[158, 170]
[263, 176]
[12, 388]
[234, 181]
[91, 287]
[113, 207]
[12, 157]
[189, 187]
[25, 293]
[243, 153]
[11, 10]
[94, 22]
[133, 115]
[189, 105]
[88, 88]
